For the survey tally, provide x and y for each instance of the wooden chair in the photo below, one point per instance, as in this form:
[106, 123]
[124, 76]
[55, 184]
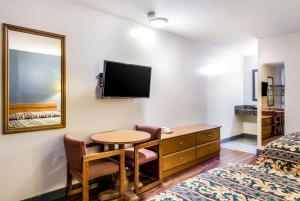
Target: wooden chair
[146, 153]
[279, 120]
[85, 167]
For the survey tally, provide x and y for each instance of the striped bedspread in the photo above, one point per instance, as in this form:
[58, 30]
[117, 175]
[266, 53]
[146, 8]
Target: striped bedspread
[31, 119]
[24, 123]
[282, 154]
[236, 182]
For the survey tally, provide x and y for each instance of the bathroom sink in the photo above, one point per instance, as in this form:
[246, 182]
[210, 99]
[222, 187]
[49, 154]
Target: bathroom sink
[245, 109]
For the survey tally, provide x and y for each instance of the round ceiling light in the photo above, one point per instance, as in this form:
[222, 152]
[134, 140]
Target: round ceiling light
[157, 22]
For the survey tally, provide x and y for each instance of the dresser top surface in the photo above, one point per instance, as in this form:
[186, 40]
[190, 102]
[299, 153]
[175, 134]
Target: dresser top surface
[185, 130]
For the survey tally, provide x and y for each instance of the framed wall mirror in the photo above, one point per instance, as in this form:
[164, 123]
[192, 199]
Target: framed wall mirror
[254, 84]
[34, 85]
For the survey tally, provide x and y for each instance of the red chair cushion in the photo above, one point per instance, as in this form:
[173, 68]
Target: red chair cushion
[99, 168]
[145, 156]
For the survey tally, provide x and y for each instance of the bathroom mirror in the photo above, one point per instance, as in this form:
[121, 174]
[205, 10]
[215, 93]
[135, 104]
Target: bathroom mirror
[254, 84]
[33, 80]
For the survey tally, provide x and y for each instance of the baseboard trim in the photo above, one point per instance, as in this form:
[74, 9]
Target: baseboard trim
[231, 138]
[50, 196]
[56, 194]
[246, 135]
[239, 136]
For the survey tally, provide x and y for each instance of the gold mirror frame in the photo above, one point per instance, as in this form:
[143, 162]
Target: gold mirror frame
[5, 76]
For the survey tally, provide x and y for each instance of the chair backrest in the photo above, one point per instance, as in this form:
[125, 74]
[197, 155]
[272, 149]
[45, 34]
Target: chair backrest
[75, 150]
[279, 113]
[155, 132]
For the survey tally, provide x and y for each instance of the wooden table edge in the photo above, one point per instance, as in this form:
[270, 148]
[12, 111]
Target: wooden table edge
[118, 142]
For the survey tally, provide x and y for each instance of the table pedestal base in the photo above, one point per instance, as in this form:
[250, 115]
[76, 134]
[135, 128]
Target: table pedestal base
[113, 195]
[109, 194]
[130, 196]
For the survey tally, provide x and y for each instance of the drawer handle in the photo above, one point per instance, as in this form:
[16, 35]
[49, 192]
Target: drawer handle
[180, 142]
[180, 158]
[209, 148]
[210, 135]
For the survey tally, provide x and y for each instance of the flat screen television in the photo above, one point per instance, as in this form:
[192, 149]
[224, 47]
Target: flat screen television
[122, 80]
[264, 89]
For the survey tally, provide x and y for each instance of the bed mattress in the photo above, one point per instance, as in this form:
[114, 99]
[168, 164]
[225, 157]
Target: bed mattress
[236, 182]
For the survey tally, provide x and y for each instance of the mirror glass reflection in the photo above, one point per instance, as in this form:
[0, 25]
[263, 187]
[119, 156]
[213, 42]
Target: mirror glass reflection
[272, 102]
[34, 80]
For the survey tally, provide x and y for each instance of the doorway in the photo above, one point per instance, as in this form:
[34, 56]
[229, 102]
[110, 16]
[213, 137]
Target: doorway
[272, 102]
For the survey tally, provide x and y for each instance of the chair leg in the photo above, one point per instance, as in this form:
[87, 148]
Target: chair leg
[85, 182]
[122, 177]
[160, 164]
[136, 172]
[85, 190]
[275, 129]
[69, 182]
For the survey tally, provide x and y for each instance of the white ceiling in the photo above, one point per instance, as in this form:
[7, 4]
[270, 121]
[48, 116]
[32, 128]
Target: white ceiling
[231, 24]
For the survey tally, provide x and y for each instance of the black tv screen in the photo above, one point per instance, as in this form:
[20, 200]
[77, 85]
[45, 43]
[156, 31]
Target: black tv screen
[264, 89]
[126, 80]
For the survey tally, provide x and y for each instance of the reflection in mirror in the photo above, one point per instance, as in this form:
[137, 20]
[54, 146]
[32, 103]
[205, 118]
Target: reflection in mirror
[270, 81]
[254, 84]
[273, 102]
[35, 78]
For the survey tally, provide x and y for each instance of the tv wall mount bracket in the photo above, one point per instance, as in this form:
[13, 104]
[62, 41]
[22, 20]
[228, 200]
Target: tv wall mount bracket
[100, 79]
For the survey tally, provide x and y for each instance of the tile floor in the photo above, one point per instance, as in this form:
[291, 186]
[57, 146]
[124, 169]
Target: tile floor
[248, 145]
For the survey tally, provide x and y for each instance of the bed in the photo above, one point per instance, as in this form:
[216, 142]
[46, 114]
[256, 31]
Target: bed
[269, 180]
[30, 115]
[282, 154]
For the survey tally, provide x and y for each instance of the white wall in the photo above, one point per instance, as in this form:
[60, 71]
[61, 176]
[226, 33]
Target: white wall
[250, 63]
[181, 93]
[285, 49]
[249, 122]
[223, 73]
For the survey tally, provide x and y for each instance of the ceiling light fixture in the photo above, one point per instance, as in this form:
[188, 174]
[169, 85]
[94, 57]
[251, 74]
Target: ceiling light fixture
[157, 22]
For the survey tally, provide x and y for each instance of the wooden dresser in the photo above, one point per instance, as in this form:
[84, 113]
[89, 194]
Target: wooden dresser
[266, 126]
[189, 145]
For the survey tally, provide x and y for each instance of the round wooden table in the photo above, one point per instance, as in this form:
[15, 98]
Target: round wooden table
[121, 137]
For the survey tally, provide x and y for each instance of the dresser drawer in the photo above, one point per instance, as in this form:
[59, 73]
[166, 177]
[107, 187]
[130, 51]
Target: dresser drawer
[266, 136]
[207, 149]
[179, 158]
[204, 137]
[266, 122]
[178, 144]
[266, 130]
